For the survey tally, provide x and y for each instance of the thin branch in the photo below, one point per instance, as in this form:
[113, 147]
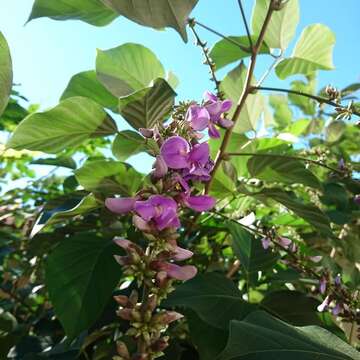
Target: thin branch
[208, 60]
[319, 99]
[277, 59]
[246, 91]
[227, 38]
[245, 24]
[316, 162]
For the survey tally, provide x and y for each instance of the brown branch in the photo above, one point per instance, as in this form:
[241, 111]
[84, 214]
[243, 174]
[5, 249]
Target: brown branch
[245, 23]
[246, 91]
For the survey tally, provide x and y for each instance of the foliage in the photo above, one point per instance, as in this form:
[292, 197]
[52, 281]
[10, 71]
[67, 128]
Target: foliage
[277, 256]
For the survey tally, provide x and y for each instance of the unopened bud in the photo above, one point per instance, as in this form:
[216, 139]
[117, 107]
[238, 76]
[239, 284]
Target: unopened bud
[125, 314]
[166, 317]
[133, 298]
[147, 133]
[122, 350]
[151, 303]
[121, 300]
[160, 345]
[161, 279]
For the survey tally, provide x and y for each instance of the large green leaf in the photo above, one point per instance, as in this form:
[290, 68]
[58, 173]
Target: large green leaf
[87, 85]
[109, 176]
[6, 75]
[68, 124]
[282, 112]
[232, 86]
[309, 212]
[282, 25]
[128, 143]
[312, 52]
[253, 257]
[80, 275]
[281, 169]
[149, 106]
[262, 337]
[225, 52]
[127, 68]
[307, 105]
[156, 13]
[213, 297]
[93, 12]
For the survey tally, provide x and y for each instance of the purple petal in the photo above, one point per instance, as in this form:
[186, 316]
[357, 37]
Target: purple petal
[145, 209]
[316, 258]
[160, 166]
[215, 110]
[175, 152]
[181, 254]
[120, 205]
[284, 242]
[123, 243]
[182, 273]
[226, 123]
[266, 243]
[198, 117]
[213, 131]
[200, 202]
[168, 218]
[200, 153]
[324, 304]
[322, 285]
[337, 309]
[226, 105]
[210, 96]
[141, 224]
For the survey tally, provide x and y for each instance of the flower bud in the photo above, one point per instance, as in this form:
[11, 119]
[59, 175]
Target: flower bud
[160, 167]
[133, 298]
[122, 350]
[125, 314]
[160, 344]
[151, 303]
[166, 317]
[121, 300]
[141, 224]
[146, 133]
[161, 279]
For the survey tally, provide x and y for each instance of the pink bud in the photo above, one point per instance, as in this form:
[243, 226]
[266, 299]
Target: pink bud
[141, 224]
[182, 254]
[121, 300]
[147, 133]
[174, 271]
[160, 167]
[266, 243]
[125, 314]
[284, 242]
[123, 260]
[120, 205]
[166, 317]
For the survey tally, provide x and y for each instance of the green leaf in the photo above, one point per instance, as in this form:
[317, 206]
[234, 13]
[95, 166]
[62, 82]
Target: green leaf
[58, 212]
[87, 85]
[90, 11]
[6, 74]
[128, 143]
[61, 161]
[249, 250]
[109, 176]
[309, 212]
[307, 105]
[68, 124]
[232, 86]
[208, 340]
[334, 131]
[312, 52]
[282, 112]
[281, 169]
[225, 52]
[80, 275]
[156, 13]
[149, 106]
[262, 337]
[213, 297]
[127, 68]
[282, 25]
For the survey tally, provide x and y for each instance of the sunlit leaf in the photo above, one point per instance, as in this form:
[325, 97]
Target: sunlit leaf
[128, 143]
[6, 75]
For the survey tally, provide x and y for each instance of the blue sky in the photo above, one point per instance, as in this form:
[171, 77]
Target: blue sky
[46, 53]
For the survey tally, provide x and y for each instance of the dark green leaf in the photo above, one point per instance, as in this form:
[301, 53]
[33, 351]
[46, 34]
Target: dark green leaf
[68, 124]
[225, 52]
[62, 161]
[87, 85]
[80, 275]
[128, 143]
[249, 250]
[90, 11]
[156, 13]
[213, 297]
[6, 75]
[262, 337]
[149, 106]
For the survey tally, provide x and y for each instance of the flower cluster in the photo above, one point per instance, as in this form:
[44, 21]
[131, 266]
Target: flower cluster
[182, 162]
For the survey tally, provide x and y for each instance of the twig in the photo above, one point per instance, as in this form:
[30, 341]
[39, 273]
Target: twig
[277, 59]
[243, 96]
[245, 24]
[319, 99]
[208, 60]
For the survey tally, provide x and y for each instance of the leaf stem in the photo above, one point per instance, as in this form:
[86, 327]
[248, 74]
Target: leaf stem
[245, 24]
[316, 162]
[319, 99]
[245, 92]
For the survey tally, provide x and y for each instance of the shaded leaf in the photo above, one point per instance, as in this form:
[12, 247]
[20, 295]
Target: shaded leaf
[61, 161]
[93, 12]
[68, 124]
[149, 106]
[127, 143]
[6, 74]
[156, 13]
[80, 275]
[334, 131]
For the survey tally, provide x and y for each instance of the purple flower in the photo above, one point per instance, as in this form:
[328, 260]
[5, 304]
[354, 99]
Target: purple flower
[175, 271]
[209, 115]
[337, 280]
[324, 304]
[322, 285]
[284, 242]
[162, 210]
[181, 254]
[175, 151]
[120, 205]
[199, 202]
[337, 309]
[160, 167]
[266, 242]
